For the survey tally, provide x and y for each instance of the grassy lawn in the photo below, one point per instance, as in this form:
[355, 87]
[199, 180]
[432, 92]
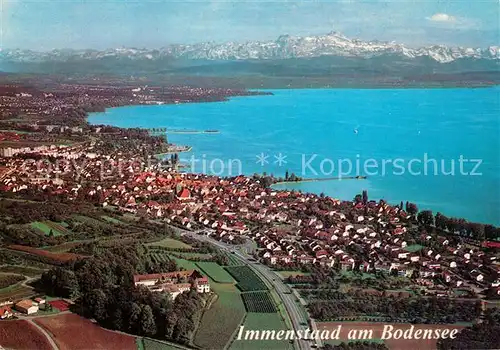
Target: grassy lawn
[286, 274]
[413, 248]
[221, 321]
[48, 312]
[170, 243]
[256, 321]
[216, 272]
[352, 275]
[186, 264]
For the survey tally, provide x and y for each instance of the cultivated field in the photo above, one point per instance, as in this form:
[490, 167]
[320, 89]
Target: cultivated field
[247, 279]
[72, 332]
[7, 280]
[392, 344]
[258, 302]
[222, 319]
[47, 227]
[56, 257]
[22, 335]
[170, 243]
[22, 270]
[192, 255]
[232, 260]
[215, 272]
[15, 292]
[63, 247]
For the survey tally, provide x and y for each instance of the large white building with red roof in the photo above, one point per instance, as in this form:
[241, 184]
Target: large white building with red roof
[174, 283]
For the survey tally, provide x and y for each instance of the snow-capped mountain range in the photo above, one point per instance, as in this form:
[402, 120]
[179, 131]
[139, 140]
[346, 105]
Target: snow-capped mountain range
[285, 47]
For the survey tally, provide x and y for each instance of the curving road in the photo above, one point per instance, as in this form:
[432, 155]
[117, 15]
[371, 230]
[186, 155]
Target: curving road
[298, 316]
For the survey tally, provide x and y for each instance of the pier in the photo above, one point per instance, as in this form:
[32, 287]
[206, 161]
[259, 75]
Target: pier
[322, 179]
[158, 131]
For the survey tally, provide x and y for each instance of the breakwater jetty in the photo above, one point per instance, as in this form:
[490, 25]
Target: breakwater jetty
[322, 179]
[157, 131]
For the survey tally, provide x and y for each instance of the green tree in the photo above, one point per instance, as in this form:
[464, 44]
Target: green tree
[134, 318]
[426, 218]
[95, 304]
[148, 325]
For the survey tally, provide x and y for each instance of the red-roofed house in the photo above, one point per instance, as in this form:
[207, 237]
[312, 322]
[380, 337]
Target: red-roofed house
[184, 194]
[5, 312]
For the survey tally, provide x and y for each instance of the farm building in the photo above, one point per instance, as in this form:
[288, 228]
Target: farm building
[26, 306]
[174, 283]
[202, 285]
[40, 301]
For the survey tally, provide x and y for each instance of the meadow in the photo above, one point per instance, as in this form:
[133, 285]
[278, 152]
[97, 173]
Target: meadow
[215, 272]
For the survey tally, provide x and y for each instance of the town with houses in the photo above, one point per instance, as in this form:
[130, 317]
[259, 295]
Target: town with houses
[52, 154]
[288, 227]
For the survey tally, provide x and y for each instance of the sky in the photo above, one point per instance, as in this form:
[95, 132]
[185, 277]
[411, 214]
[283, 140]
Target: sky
[79, 24]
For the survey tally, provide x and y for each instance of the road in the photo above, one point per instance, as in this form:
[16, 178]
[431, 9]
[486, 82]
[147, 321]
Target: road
[297, 316]
[46, 334]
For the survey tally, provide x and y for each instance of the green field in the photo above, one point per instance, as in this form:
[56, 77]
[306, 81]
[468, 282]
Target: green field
[352, 275]
[221, 321]
[186, 264]
[413, 248]
[247, 279]
[169, 243]
[255, 321]
[215, 272]
[48, 226]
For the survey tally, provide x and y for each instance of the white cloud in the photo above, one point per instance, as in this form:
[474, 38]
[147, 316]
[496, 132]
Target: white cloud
[442, 17]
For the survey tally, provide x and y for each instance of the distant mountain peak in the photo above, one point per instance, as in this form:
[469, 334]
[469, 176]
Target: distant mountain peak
[284, 47]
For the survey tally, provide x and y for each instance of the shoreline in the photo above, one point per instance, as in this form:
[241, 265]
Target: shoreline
[183, 150]
[282, 185]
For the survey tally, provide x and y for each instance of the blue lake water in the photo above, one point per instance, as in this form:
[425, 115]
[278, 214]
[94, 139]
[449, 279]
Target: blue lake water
[388, 135]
